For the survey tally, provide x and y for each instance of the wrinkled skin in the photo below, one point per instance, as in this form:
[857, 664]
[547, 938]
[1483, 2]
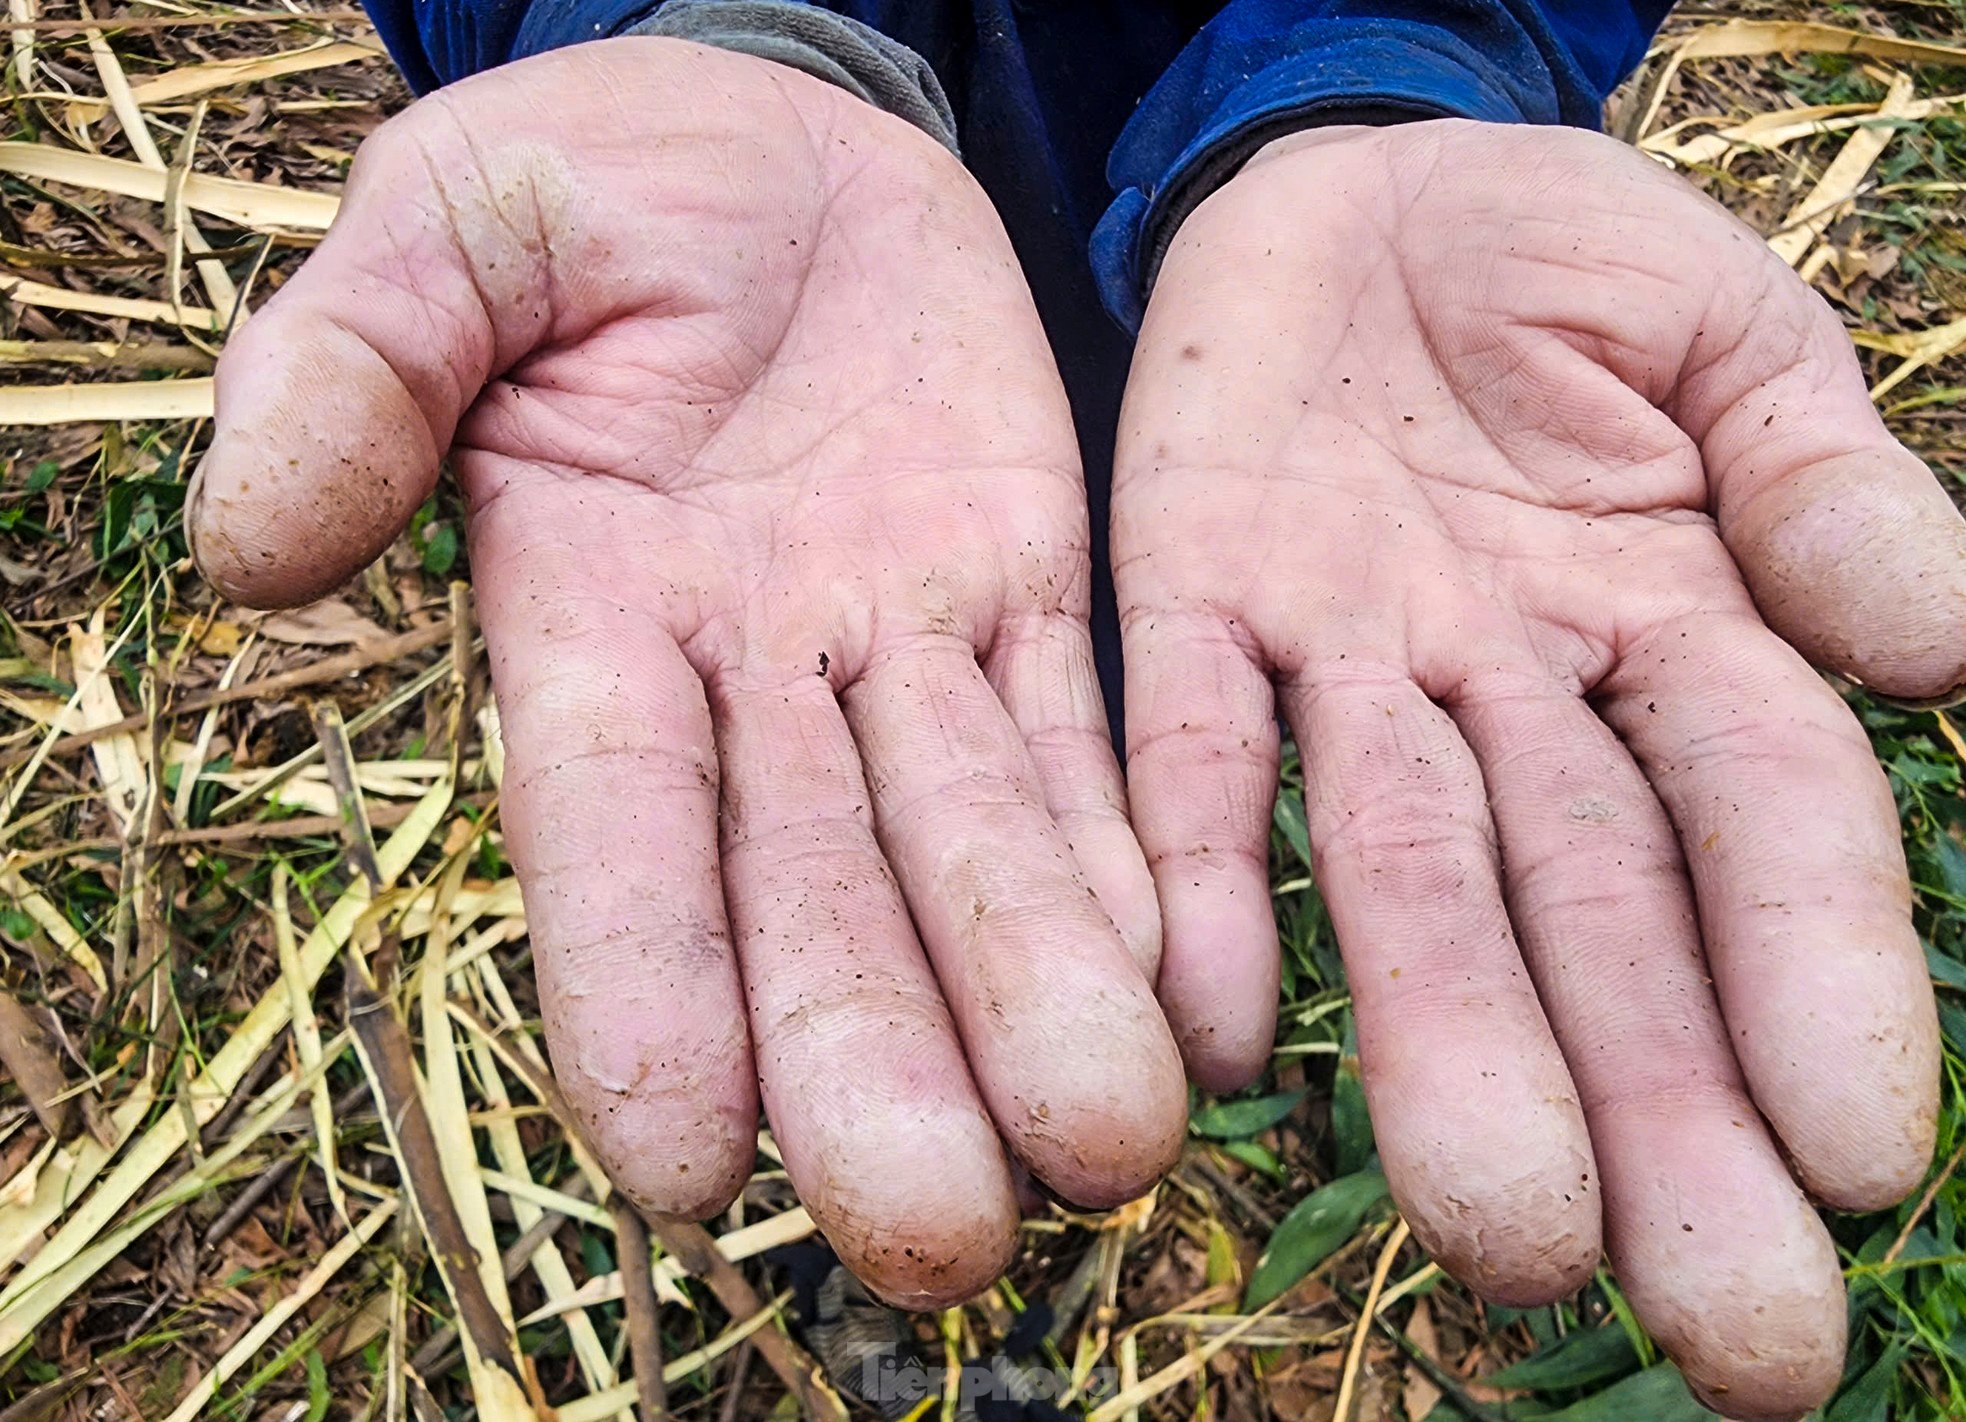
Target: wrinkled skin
[1523, 480]
[779, 542]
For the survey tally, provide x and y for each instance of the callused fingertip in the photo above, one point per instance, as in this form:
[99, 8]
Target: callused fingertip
[1103, 1153]
[1878, 1179]
[1094, 1189]
[1773, 1387]
[1534, 1283]
[1859, 563]
[696, 1184]
[1223, 1067]
[1863, 1139]
[923, 1269]
[1730, 1408]
[1529, 1271]
[213, 552]
[1225, 1044]
[248, 553]
[1518, 1237]
[1758, 1334]
[1930, 679]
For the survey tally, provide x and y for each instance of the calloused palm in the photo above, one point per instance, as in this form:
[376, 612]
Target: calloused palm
[779, 541]
[1526, 479]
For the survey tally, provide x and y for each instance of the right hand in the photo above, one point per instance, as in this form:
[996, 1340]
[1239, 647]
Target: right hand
[780, 550]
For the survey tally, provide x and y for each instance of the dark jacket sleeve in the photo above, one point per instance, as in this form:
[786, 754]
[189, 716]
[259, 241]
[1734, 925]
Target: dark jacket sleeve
[1262, 68]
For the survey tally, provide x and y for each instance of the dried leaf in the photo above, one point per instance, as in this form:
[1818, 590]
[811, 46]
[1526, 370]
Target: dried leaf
[194, 79]
[328, 623]
[1919, 349]
[1745, 38]
[1826, 201]
[259, 206]
[97, 403]
[135, 308]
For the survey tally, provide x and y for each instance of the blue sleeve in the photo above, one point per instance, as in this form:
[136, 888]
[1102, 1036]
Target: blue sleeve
[438, 42]
[1263, 67]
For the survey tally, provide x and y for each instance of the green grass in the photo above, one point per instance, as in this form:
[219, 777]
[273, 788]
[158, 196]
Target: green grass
[1908, 1319]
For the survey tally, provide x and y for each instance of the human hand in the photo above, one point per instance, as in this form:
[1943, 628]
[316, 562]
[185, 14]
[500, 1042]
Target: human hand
[779, 542]
[1528, 479]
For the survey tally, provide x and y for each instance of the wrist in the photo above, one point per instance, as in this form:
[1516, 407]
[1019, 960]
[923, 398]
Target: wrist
[831, 47]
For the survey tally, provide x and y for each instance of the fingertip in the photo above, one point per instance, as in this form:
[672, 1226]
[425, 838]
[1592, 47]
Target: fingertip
[1107, 1119]
[1736, 1409]
[1754, 1382]
[1859, 562]
[919, 1236]
[940, 1269]
[1724, 1261]
[320, 457]
[1841, 1052]
[698, 1189]
[1517, 1237]
[685, 1159]
[1878, 1170]
[1223, 1062]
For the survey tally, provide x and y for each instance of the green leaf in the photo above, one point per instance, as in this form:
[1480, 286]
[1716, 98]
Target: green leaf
[1589, 1355]
[42, 476]
[1312, 1232]
[1952, 864]
[1237, 1120]
[1255, 1157]
[595, 1254]
[1657, 1395]
[318, 1397]
[1351, 1123]
[1949, 971]
[1868, 1399]
[1291, 824]
[1627, 1320]
[1917, 772]
[1952, 1024]
[439, 549]
[115, 530]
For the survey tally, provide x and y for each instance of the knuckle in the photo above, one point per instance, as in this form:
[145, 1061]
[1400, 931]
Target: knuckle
[1442, 822]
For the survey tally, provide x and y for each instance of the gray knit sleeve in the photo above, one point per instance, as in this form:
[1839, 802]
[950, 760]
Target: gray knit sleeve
[836, 48]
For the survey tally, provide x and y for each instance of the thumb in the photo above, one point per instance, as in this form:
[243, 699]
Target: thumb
[336, 404]
[1854, 553]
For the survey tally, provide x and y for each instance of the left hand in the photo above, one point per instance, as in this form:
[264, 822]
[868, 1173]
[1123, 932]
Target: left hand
[1532, 482]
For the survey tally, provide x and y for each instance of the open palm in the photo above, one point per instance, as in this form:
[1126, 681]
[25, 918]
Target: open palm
[779, 542]
[1525, 479]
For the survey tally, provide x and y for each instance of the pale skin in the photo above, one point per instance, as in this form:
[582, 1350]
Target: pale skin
[1490, 461]
[1503, 469]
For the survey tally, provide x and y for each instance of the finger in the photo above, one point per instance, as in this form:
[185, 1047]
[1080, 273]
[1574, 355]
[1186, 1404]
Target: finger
[336, 403]
[1476, 1118]
[1066, 1041]
[610, 813]
[1854, 553]
[1042, 670]
[1202, 752]
[1723, 1259]
[864, 1081]
[1792, 840]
